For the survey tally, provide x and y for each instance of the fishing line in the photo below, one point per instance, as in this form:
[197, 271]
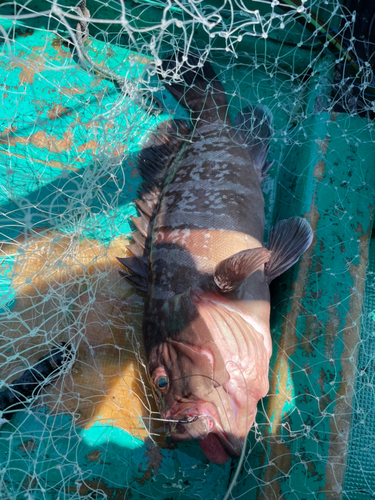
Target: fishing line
[242, 456]
[225, 410]
[189, 420]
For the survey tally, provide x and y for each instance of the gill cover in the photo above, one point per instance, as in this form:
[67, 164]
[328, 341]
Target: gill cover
[187, 352]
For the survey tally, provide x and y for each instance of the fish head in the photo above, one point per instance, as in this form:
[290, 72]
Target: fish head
[200, 388]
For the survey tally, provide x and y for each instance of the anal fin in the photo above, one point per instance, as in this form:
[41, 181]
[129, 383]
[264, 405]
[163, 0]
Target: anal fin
[288, 240]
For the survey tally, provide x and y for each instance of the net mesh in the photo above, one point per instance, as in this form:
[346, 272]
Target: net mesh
[79, 95]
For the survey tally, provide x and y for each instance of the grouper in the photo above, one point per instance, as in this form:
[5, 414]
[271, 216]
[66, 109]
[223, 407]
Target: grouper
[199, 258]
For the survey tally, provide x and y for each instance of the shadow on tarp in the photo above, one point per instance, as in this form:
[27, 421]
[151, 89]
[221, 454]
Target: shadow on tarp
[87, 202]
[74, 201]
[48, 458]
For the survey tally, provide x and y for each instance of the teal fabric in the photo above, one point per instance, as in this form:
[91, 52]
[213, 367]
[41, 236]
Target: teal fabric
[360, 477]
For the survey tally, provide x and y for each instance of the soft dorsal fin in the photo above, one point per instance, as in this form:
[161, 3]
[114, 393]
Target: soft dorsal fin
[230, 273]
[254, 126]
[288, 240]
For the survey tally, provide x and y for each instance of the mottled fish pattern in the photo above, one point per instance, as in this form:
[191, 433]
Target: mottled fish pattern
[200, 258]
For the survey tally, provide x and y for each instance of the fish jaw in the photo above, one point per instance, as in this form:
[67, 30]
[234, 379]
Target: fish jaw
[216, 442]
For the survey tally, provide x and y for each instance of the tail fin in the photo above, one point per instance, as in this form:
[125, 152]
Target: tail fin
[194, 84]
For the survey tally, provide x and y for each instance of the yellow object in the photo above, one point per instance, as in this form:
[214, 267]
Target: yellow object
[108, 382]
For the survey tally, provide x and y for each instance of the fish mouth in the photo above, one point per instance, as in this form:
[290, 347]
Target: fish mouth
[216, 446]
[215, 443]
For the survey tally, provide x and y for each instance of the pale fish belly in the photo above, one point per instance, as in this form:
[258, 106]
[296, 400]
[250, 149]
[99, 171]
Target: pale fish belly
[244, 343]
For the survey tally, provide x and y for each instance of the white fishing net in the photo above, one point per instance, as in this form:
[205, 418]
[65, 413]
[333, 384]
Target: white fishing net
[69, 139]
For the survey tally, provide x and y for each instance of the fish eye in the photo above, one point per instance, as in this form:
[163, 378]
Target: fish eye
[161, 382]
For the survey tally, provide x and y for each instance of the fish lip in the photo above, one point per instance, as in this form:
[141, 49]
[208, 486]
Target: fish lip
[232, 444]
[233, 450]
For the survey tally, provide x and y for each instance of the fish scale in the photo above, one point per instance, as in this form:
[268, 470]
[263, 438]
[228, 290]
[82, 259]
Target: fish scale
[203, 193]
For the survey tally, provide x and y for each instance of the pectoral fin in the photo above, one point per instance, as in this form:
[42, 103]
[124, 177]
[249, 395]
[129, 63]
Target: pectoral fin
[288, 240]
[230, 273]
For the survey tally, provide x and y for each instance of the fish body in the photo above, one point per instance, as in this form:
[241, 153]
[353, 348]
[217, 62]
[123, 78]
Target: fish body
[206, 276]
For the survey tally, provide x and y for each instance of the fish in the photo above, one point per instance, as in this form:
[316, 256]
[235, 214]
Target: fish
[199, 259]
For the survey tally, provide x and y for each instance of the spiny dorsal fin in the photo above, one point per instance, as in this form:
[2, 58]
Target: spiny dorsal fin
[138, 282]
[150, 197]
[288, 240]
[140, 224]
[145, 218]
[143, 208]
[137, 265]
[135, 249]
[158, 152]
[254, 126]
[139, 269]
[230, 273]
[139, 239]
